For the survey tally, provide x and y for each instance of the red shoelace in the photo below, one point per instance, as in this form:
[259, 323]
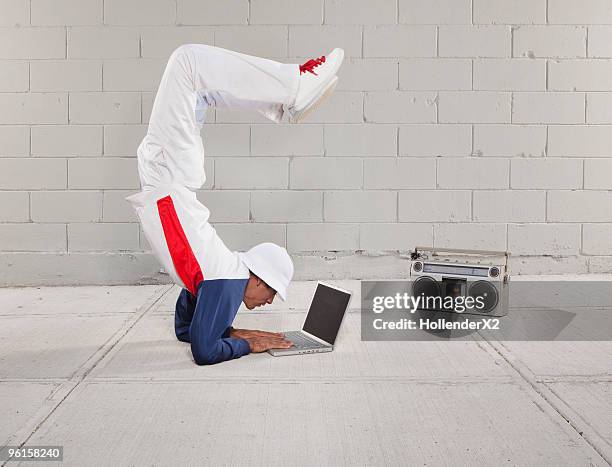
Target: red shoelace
[310, 64]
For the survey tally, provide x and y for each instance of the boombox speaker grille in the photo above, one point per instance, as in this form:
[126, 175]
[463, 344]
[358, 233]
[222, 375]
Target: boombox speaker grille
[487, 291]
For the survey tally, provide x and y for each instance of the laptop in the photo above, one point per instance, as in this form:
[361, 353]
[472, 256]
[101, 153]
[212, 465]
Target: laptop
[323, 321]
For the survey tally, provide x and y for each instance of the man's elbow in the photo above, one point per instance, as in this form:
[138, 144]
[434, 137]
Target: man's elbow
[204, 356]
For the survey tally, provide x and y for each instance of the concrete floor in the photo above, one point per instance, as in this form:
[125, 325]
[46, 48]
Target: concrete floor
[99, 371]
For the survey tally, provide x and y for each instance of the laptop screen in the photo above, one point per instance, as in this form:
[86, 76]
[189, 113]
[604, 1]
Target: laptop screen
[326, 312]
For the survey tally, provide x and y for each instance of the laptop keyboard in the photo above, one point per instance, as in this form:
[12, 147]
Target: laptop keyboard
[301, 341]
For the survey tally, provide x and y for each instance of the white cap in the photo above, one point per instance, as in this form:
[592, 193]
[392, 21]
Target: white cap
[272, 264]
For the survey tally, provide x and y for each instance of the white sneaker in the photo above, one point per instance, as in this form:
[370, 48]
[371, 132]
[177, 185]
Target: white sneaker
[317, 81]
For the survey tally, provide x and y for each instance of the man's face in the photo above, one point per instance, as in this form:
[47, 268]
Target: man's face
[257, 293]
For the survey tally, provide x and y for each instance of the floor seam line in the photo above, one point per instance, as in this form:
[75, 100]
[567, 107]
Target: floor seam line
[540, 388]
[76, 379]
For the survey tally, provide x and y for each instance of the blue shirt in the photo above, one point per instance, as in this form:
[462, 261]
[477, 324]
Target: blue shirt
[205, 321]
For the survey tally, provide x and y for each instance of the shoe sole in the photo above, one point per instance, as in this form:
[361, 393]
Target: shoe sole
[315, 104]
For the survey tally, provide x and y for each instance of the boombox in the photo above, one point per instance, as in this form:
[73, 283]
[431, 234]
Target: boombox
[460, 281]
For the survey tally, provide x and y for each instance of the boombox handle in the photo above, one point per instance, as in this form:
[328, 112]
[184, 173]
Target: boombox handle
[415, 254]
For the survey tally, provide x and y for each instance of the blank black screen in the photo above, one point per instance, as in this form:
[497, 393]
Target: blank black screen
[326, 312]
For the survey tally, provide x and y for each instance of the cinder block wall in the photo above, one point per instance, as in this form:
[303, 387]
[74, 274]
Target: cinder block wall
[458, 123]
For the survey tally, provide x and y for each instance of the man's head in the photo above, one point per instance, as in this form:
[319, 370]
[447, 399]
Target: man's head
[257, 293]
[271, 272]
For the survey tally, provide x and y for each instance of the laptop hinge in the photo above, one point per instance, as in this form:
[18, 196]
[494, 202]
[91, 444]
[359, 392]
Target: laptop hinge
[319, 340]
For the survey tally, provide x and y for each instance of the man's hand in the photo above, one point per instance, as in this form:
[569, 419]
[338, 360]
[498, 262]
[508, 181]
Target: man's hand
[261, 341]
[264, 343]
[246, 333]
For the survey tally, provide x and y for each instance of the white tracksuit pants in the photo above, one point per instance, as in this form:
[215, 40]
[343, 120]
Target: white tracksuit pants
[171, 155]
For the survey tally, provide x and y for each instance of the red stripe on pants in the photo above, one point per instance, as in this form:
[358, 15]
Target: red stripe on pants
[184, 260]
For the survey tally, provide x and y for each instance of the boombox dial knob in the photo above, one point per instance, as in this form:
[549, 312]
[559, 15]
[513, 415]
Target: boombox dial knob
[417, 267]
[494, 271]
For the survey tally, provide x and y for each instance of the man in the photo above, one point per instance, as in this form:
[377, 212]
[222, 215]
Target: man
[171, 167]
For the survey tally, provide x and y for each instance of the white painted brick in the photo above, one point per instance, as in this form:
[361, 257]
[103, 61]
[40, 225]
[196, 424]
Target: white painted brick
[32, 43]
[597, 239]
[284, 140]
[583, 12]
[549, 264]
[360, 206]
[399, 41]
[473, 172]
[133, 74]
[66, 12]
[473, 236]
[123, 140]
[404, 173]
[340, 107]
[401, 236]
[14, 141]
[580, 75]
[314, 41]
[71, 75]
[262, 41]
[98, 172]
[15, 13]
[509, 206]
[544, 239]
[208, 12]
[103, 237]
[242, 115]
[66, 206]
[509, 140]
[14, 76]
[242, 237]
[360, 140]
[597, 174]
[67, 140]
[33, 108]
[32, 174]
[326, 173]
[286, 206]
[146, 103]
[509, 75]
[139, 12]
[210, 170]
[251, 172]
[161, 41]
[600, 42]
[548, 107]
[583, 141]
[368, 74]
[14, 206]
[400, 106]
[435, 140]
[550, 41]
[360, 12]
[434, 206]
[474, 41]
[424, 74]
[105, 107]
[115, 208]
[322, 237]
[226, 140]
[33, 237]
[226, 206]
[599, 107]
[103, 42]
[286, 12]
[435, 11]
[545, 173]
[598, 264]
[509, 11]
[579, 206]
[474, 107]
